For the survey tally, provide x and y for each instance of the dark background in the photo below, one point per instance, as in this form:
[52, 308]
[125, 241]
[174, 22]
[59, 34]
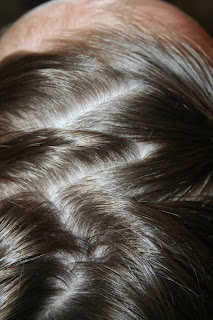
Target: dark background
[201, 10]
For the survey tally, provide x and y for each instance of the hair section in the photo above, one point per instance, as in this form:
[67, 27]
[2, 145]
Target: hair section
[106, 180]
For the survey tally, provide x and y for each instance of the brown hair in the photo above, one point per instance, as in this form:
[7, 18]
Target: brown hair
[106, 180]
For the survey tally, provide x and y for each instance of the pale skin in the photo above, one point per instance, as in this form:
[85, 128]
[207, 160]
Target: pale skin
[52, 20]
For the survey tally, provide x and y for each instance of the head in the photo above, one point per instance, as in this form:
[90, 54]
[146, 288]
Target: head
[106, 163]
[55, 19]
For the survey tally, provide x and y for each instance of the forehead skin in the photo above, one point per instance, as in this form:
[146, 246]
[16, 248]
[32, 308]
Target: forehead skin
[55, 18]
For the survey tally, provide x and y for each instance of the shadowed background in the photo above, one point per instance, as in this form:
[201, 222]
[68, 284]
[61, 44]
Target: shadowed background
[201, 10]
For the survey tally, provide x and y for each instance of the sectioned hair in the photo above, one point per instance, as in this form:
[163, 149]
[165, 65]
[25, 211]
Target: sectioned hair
[106, 153]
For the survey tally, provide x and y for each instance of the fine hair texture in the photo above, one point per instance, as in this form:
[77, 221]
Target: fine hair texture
[106, 153]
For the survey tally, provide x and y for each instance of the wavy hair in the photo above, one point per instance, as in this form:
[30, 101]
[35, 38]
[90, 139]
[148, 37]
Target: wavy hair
[106, 156]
